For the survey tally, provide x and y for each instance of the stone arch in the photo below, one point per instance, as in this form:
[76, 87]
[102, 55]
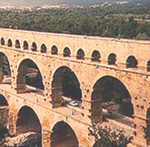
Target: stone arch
[5, 71]
[2, 41]
[9, 43]
[66, 52]
[29, 74]
[43, 48]
[17, 44]
[34, 47]
[80, 54]
[131, 62]
[28, 122]
[25, 45]
[112, 59]
[63, 134]
[95, 56]
[65, 83]
[54, 50]
[110, 93]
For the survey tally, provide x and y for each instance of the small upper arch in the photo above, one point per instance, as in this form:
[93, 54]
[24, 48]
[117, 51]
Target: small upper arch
[25, 45]
[9, 43]
[80, 54]
[66, 52]
[2, 41]
[54, 50]
[112, 59]
[131, 62]
[95, 56]
[17, 43]
[43, 48]
[34, 47]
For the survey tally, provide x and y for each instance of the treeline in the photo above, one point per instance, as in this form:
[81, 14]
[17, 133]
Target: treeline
[111, 21]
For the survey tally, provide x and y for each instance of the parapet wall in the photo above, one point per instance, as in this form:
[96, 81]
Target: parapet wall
[123, 48]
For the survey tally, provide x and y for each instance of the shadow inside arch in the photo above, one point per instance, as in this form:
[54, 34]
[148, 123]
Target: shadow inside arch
[28, 129]
[65, 84]
[63, 136]
[5, 71]
[29, 78]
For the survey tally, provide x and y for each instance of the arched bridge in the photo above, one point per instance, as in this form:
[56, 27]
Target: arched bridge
[59, 85]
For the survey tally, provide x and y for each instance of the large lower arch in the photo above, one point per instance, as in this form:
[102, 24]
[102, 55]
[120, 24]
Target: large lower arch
[5, 72]
[63, 136]
[29, 74]
[29, 124]
[65, 83]
[110, 94]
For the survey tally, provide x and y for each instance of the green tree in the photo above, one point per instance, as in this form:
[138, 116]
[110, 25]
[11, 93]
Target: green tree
[142, 36]
[106, 137]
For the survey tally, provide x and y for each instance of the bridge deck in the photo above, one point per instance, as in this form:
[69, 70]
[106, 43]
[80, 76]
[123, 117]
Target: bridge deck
[37, 98]
[74, 113]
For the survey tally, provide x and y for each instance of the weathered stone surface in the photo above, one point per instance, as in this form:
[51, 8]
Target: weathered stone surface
[48, 107]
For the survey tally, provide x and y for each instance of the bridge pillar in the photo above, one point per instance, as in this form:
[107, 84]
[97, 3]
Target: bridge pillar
[56, 95]
[46, 137]
[20, 88]
[86, 105]
[92, 109]
[92, 115]
[21, 79]
[12, 122]
[20, 85]
[140, 138]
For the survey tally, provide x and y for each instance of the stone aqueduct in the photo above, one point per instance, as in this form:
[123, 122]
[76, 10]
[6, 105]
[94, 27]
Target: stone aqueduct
[91, 59]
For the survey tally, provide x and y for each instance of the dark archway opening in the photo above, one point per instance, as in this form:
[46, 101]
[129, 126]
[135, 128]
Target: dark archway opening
[148, 65]
[66, 52]
[147, 129]
[2, 41]
[95, 56]
[3, 101]
[131, 62]
[80, 54]
[25, 45]
[5, 72]
[9, 43]
[110, 96]
[43, 48]
[63, 136]
[112, 59]
[34, 47]
[29, 75]
[4, 109]
[17, 44]
[54, 50]
[65, 83]
[29, 125]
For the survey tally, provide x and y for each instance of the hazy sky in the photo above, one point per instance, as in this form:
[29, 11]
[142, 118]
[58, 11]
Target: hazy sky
[51, 2]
